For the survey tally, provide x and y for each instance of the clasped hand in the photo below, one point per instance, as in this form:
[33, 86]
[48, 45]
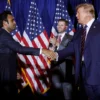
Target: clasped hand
[49, 53]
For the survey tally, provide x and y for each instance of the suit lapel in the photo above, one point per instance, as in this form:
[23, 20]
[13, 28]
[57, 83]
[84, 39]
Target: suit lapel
[90, 33]
[65, 41]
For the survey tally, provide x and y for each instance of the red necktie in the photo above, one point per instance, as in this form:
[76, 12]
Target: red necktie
[59, 39]
[83, 39]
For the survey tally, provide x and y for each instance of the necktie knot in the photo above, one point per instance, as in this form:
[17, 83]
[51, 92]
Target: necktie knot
[85, 26]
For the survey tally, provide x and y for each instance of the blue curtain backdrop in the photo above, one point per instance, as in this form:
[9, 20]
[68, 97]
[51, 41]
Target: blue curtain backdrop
[46, 8]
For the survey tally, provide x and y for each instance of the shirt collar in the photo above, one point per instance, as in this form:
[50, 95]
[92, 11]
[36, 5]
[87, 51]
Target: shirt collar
[62, 34]
[90, 23]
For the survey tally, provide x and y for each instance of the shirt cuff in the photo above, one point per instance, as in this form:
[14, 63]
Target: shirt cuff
[56, 56]
[40, 50]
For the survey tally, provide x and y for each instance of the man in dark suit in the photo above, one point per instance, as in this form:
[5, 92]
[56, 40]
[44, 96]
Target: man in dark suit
[62, 70]
[88, 63]
[8, 55]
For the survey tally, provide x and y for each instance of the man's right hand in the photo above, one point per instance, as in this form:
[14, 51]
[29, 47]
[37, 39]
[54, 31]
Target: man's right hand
[49, 53]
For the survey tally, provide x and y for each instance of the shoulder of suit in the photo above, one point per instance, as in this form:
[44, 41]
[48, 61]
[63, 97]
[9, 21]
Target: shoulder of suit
[68, 36]
[3, 32]
[96, 24]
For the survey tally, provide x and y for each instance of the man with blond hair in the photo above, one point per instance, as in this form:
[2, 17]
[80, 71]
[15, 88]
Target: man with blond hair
[86, 48]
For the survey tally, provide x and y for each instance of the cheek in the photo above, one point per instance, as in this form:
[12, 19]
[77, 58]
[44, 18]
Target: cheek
[57, 27]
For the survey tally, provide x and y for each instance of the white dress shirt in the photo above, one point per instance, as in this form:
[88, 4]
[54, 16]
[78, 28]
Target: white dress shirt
[87, 30]
[62, 36]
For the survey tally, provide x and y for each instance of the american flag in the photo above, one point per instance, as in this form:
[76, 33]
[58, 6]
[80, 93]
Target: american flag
[16, 33]
[61, 12]
[35, 36]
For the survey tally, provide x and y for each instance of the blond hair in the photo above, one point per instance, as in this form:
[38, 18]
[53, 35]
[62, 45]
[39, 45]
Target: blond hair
[87, 7]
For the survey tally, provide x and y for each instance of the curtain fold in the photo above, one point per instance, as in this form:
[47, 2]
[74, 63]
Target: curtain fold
[46, 8]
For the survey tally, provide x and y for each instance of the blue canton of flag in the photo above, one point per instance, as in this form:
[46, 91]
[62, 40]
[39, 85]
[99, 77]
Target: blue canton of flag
[61, 13]
[34, 25]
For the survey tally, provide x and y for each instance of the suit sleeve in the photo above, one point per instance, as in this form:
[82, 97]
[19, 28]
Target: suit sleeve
[10, 43]
[68, 51]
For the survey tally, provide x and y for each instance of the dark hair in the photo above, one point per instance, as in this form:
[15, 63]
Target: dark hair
[64, 20]
[3, 17]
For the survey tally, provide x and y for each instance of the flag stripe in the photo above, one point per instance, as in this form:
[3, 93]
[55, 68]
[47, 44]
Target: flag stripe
[28, 79]
[25, 42]
[34, 73]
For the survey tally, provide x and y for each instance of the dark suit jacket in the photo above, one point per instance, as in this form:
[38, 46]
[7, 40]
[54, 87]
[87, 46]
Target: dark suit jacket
[60, 66]
[8, 56]
[91, 54]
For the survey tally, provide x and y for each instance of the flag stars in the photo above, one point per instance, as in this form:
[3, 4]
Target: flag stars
[32, 2]
[16, 30]
[8, 7]
[40, 27]
[40, 22]
[62, 14]
[30, 6]
[29, 11]
[55, 22]
[39, 30]
[32, 37]
[28, 24]
[30, 28]
[28, 19]
[30, 32]
[57, 9]
[12, 33]
[31, 24]
[27, 28]
[57, 4]
[28, 15]
[67, 16]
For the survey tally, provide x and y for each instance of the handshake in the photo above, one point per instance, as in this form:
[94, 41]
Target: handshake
[50, 54]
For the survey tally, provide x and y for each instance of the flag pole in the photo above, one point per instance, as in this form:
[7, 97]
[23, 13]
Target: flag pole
[9, 2]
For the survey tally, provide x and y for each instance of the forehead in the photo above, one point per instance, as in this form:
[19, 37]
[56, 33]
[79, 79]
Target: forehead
[10, 17]
[61, 22]
[81, 9]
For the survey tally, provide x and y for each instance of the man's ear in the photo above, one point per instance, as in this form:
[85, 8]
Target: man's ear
[5, 23]
[66, 27]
